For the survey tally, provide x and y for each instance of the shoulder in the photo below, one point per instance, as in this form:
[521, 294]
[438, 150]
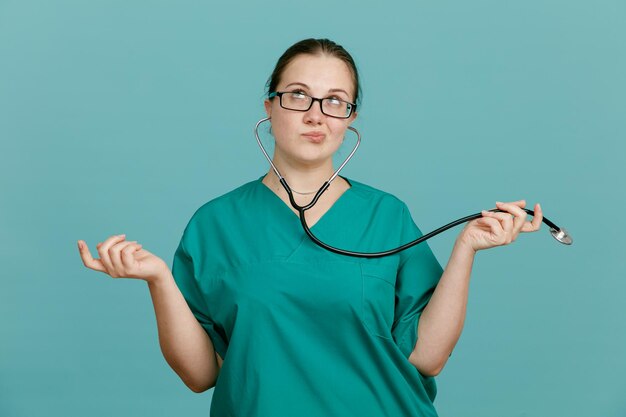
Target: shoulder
[226, 204]
[230, 198]
[376, 197]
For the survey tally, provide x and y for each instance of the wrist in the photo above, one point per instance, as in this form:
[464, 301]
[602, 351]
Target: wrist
[161, 278]
[463, 247]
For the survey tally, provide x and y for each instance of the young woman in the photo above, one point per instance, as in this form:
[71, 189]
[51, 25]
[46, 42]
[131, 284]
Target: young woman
[278, 325]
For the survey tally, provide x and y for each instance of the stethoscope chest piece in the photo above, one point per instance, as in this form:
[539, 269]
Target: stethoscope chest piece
[561, 235]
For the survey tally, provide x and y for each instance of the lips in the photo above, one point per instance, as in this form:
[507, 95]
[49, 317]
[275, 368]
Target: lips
[314, 136]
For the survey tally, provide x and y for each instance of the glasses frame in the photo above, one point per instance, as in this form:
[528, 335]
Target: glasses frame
[313, 99]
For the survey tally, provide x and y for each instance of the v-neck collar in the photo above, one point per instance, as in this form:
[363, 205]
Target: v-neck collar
[332, 208]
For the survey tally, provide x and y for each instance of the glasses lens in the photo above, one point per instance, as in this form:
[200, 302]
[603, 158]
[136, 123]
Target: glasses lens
[331, 106]
[336, 108]
[295, 101]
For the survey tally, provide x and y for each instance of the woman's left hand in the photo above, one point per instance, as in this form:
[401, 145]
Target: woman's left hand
[497, 229]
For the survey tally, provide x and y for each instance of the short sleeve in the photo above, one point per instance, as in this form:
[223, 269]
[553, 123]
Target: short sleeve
[418, 275]
[184, 276]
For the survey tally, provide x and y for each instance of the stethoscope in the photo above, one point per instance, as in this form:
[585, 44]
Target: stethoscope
[558, 233]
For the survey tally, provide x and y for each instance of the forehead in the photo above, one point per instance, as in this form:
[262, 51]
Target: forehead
[320, 72]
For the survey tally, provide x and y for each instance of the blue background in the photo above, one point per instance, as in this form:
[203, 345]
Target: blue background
[125, 117]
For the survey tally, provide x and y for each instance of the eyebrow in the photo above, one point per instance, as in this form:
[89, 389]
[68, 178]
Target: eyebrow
[332, 90]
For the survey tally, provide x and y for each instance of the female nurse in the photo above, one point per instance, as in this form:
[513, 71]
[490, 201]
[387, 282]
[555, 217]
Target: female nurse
[372, 360]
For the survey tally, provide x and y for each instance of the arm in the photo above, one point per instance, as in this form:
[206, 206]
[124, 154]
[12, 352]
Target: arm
[186, 346]
[442, 320]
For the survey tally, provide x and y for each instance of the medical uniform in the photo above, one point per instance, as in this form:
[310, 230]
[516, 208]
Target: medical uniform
[303, 331]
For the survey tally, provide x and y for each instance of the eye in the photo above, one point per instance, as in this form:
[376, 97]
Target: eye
[334, 101]
[298, 94]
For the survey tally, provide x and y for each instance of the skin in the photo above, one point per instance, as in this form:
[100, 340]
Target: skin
[306, 164]
[441, 322]
[317, 76]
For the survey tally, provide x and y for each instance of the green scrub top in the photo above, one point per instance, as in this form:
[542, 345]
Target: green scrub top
[304, 331]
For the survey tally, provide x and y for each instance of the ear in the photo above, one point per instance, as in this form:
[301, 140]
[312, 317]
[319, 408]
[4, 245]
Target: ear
[353, 116]
[268, 107]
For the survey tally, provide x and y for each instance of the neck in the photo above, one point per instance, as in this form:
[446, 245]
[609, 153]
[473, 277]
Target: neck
[302, 178]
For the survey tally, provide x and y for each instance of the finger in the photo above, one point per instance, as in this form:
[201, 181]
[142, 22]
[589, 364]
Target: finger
[536, 222]
[518, 203]
[103, 250]
[519, 215]
[495, 228]
[88, 260]
[128, 255]
[115, 257]
[506, 221]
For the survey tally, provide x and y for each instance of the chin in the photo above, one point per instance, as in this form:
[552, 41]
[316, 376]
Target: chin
[312, 159]
[312, 154]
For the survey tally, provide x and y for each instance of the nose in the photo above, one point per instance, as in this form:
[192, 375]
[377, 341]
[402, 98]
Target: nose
[314, 114]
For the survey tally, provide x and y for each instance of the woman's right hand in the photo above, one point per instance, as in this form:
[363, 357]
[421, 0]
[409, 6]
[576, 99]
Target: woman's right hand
[120, 258]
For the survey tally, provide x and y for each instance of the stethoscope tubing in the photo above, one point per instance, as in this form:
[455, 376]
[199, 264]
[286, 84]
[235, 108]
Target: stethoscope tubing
[559, 234]
[302, 209]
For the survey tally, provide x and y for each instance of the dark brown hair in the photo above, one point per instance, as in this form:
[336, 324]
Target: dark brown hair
[314, 47]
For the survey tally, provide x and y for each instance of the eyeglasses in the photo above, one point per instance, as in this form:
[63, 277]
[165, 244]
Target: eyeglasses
[298, 101]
